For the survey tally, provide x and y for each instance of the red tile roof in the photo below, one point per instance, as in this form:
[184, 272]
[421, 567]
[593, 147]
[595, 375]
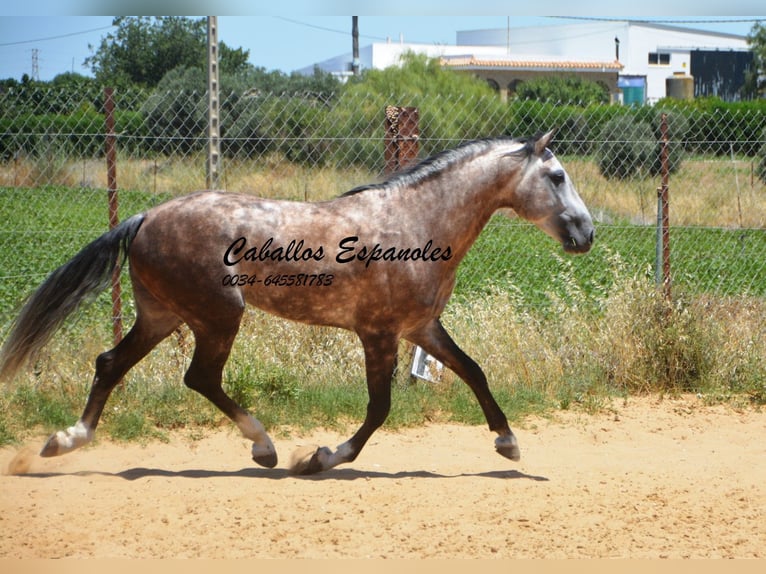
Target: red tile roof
[473, 62]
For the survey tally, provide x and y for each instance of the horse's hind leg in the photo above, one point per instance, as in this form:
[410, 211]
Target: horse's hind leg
[437, 342]
[153, 324]
[380, 361]
[205, 374]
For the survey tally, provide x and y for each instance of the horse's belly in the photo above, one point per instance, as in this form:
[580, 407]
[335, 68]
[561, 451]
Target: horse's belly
[305, 299]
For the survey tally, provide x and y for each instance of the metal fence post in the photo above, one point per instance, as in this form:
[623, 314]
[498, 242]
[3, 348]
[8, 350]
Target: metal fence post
[662, 269]
[402, 139]
[402, 144]
[111, 177]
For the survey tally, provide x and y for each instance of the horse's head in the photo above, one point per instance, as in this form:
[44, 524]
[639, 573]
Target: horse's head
[546, 196]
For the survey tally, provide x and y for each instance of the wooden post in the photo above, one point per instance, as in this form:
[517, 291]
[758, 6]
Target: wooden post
[114, 220]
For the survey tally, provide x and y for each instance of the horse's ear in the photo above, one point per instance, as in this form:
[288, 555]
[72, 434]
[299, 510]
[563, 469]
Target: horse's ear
[543, 141]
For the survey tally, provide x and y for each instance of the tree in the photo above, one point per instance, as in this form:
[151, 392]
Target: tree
[755, 81]
[143, 49]
[419, 82]
[72, 81]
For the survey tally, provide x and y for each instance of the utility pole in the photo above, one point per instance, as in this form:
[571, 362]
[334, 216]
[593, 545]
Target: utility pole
[35, 64]
[214, 128]
[355, 44]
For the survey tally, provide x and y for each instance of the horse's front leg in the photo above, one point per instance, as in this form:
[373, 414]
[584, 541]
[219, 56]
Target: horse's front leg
[437, 342]
[380, 353]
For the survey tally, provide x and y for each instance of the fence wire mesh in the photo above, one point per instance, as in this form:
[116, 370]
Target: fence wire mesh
[53, 176]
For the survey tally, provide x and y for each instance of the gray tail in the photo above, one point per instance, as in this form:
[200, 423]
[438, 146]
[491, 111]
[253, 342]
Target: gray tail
[87, 273]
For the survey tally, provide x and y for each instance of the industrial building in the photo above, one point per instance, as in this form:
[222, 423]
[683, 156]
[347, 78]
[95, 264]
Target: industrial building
[637, 62]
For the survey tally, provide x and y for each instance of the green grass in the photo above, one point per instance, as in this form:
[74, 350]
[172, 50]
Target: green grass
[45, 233]
[43, 228]
[703, 260]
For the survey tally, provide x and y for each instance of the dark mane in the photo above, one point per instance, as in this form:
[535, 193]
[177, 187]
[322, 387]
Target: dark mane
[436, 164]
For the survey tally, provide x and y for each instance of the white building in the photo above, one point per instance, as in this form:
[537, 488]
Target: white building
[649, 53]
[633, 59]
[381, 55]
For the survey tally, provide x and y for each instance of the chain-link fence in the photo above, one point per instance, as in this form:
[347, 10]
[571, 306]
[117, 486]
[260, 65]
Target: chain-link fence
[53, 175]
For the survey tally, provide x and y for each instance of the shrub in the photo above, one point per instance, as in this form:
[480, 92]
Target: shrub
[573, 135]
[176, 112]
[719, 127]
[625, 145]
[453, 108]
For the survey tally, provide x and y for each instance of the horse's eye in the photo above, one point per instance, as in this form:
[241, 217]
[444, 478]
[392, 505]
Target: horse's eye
[557, 177]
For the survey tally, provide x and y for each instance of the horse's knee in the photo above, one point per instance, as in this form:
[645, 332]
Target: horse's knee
[206, 384]
[110, 368]
[104, 364]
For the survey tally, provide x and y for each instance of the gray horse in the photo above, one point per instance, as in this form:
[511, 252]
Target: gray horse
[380, 260]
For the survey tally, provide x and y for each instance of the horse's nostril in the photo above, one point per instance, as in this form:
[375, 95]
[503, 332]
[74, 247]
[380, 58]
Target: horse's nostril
[592, 236]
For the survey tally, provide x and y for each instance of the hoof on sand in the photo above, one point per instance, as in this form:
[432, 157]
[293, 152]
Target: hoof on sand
[266, 460]
[307, 461]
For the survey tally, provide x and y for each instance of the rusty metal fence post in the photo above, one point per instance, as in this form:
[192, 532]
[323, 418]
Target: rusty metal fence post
[662, 264]
[402, 139]
[114, 220]
[402, 144]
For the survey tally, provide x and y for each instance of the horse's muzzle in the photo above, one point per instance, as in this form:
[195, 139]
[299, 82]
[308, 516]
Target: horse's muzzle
[581, 241]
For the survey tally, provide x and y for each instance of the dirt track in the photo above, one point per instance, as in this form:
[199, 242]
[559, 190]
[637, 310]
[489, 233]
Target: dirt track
[652, 479]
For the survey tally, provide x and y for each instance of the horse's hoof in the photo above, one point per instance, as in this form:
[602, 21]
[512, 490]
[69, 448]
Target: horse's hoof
[62, 442]
[268, 460]
[508, 447]
[304, 465]
[51, 447]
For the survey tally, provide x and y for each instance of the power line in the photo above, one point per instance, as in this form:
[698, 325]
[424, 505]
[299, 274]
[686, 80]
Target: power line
[18, 43]
[325, 29]
[671, 21]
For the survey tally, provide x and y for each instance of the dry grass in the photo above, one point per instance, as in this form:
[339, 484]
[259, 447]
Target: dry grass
[280, 179]
[717, 193]
[636, 343]
[272, 176]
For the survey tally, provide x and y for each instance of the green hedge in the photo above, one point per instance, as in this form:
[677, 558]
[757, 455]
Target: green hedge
[347, 127]
[721, 127]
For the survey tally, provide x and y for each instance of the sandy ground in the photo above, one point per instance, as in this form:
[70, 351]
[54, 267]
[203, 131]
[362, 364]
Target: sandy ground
[651, 478]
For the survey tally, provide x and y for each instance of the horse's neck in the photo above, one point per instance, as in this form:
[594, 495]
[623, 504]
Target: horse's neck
[460, 204]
